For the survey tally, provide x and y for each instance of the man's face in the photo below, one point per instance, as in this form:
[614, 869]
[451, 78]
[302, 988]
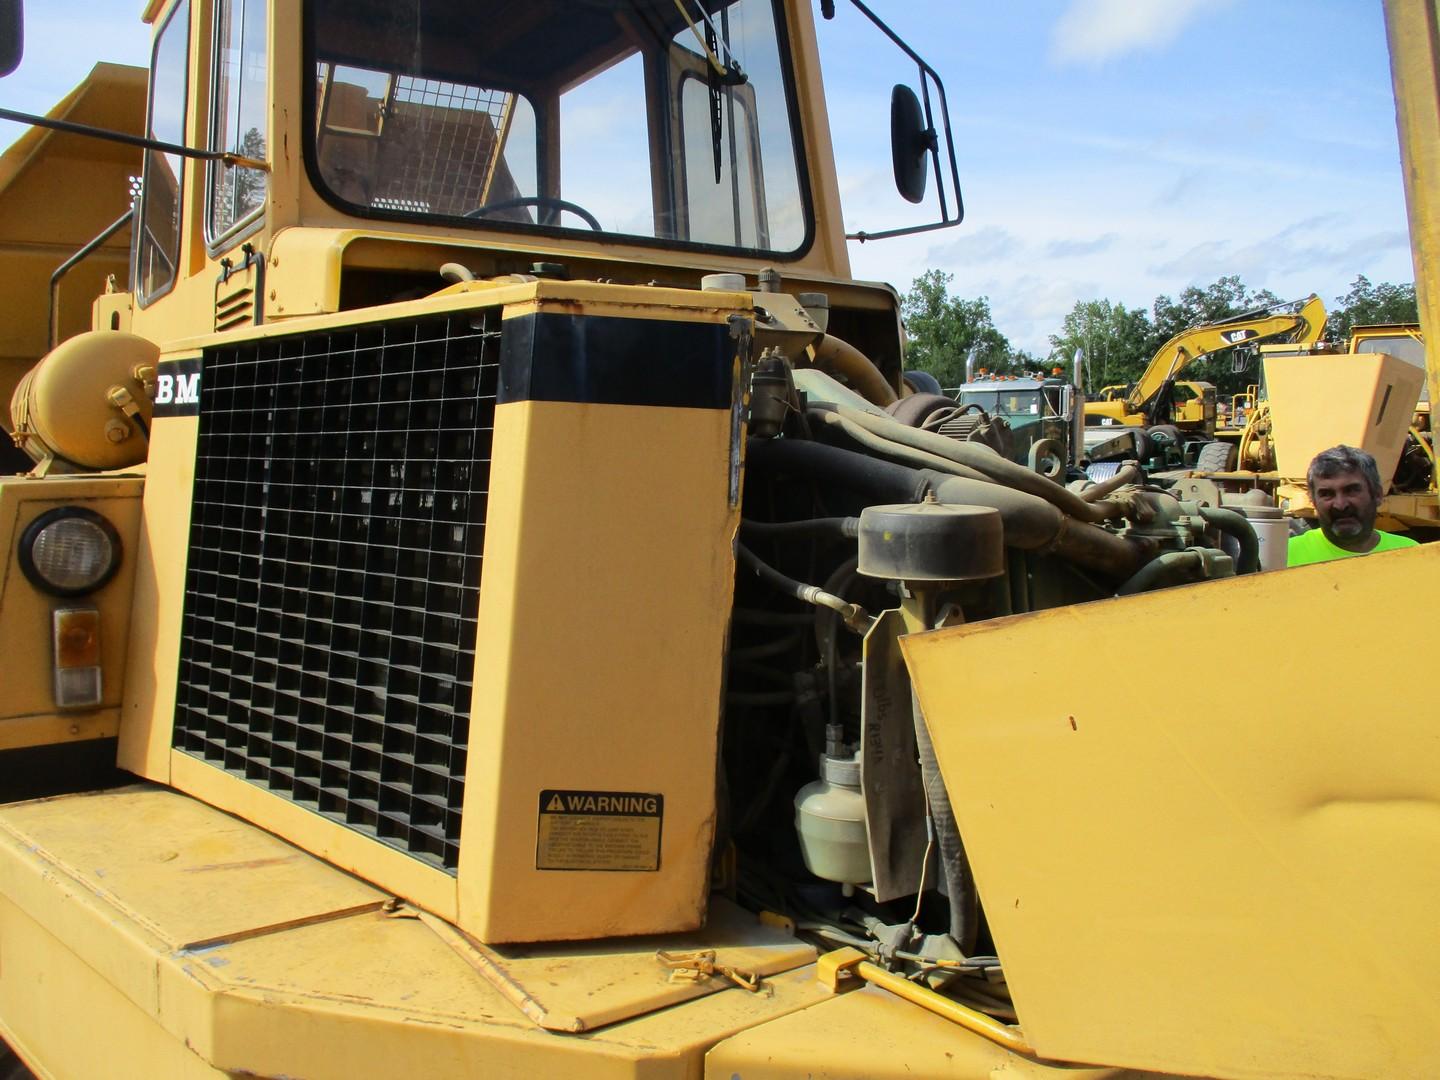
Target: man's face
[1346, 509]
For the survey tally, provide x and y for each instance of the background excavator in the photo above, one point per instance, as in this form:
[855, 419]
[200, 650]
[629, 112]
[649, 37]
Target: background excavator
[1154, 400]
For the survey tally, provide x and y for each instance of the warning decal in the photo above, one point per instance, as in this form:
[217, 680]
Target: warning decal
[599, 830]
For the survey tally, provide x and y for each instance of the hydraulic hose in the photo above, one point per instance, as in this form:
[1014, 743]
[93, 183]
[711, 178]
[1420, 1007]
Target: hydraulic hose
[854, 615]
[1237, 525]
[1031, 523]
[980, 458]
[1171, 568]
[959, 879]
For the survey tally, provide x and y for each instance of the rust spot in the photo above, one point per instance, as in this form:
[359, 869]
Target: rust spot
[1073, 726]
[245, 864]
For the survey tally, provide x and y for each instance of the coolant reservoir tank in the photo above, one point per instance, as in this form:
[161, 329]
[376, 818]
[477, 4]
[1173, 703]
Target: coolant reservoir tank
[830, 818]
[81, 402]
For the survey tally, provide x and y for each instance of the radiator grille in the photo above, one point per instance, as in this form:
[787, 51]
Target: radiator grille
[334, 570]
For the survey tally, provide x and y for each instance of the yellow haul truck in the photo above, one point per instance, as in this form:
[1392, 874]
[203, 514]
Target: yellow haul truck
[530, 643]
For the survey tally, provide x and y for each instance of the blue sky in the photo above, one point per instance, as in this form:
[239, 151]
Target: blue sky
[1107, 148]
[1125, 148]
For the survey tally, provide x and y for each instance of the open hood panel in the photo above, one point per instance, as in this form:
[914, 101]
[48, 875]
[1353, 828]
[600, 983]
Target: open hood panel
[1205, 822]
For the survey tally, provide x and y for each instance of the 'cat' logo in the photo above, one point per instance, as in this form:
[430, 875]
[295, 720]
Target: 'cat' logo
[1232, 336]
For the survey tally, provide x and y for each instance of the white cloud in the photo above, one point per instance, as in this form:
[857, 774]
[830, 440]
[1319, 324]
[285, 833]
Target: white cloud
[1090, 32]
[988, 244]
[1072, 249]
[1320, 247]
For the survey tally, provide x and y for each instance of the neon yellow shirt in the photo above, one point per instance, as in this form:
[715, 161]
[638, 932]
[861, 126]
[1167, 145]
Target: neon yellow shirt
[1313, 547]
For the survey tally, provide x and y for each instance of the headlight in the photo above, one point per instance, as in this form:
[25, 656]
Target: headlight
[69, 551]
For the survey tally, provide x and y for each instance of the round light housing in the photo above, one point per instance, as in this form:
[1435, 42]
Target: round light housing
[69, 551]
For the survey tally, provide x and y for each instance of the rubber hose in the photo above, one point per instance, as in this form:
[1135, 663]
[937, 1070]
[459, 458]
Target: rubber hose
[982, 459]
[1171, 568]
[1030, 523]
[877, 481]
[959, 879]
[1126, 474]
[908, 455]
[1237, 525]
[853, 614]
[840, 526]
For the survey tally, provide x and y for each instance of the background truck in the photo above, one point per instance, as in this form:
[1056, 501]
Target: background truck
[474, 612]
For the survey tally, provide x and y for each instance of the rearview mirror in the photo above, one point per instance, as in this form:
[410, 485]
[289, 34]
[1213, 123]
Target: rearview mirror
[910, 143]
[12, 35]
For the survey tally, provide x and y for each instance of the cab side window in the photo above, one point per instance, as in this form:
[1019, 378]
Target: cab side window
[158, 245]
[239, 122]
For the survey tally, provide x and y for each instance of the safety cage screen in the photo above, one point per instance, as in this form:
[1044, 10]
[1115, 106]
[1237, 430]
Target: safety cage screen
[334, 568]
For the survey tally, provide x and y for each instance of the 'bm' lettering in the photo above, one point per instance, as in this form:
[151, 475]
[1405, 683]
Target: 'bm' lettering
[177, 389]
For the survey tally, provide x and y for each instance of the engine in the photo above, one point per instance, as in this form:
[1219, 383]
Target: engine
[858, 528]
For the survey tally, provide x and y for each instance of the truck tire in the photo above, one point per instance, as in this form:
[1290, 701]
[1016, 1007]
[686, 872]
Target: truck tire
[1163, 435]
[1218, 456]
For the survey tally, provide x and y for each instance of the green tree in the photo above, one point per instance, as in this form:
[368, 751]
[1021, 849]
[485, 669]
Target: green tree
[1223, 299]
[1111, 337]
[941, 329]
[1366, 304]
[1226, 297]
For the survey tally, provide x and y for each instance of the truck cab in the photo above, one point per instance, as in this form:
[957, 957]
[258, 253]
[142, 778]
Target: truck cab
[371, 145]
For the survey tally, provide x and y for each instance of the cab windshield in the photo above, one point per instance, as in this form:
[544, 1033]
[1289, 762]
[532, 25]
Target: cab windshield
[664, 120]
[1006, 403]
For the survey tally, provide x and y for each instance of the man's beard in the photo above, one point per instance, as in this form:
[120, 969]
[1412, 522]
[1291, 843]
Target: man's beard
[1350, 526]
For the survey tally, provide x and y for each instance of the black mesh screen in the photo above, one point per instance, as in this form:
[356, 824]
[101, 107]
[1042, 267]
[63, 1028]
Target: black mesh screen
[334, 570]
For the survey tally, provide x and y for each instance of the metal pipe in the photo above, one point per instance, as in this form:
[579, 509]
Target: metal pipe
[970, 1019]
[831, 353]
[72, 128]
[69, 264]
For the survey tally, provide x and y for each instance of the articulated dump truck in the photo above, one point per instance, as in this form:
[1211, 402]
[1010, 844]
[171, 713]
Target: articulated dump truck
[475, 607]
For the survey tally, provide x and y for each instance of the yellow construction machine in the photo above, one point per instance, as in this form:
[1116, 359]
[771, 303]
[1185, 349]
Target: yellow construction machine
[1158, 399]
[1367, 393]
[479, 608]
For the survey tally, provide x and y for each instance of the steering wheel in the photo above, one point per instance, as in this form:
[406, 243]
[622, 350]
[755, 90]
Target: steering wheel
[537, 201]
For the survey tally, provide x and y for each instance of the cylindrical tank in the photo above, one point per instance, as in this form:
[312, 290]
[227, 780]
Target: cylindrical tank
[830, 818]
[63, 405]
[1273, 532]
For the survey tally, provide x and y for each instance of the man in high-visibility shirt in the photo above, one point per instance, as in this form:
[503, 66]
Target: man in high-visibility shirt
[1345, 488]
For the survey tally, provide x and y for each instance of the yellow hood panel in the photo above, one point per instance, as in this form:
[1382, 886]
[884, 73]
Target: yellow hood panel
[1205, 822]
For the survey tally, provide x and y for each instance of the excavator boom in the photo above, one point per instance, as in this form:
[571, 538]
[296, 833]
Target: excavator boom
[1301, 321]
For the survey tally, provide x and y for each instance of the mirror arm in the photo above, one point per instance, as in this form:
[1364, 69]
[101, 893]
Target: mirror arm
[927, 74]
[135, 140]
